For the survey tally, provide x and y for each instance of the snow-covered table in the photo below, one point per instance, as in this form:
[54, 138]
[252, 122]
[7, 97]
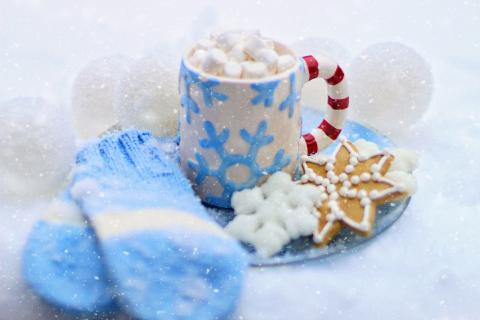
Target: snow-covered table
[424, 267]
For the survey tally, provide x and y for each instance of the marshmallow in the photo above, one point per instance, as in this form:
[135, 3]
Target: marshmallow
[214, 61]
[253, 45]
[237, 54]
[232, 69]
[255, 70]
[285, 62]
[205, 44]
[198, 57]
[270, 58]
[228, 40]
[269, 43]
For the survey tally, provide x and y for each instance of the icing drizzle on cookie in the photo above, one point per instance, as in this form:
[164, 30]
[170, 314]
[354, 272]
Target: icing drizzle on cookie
[352, 186]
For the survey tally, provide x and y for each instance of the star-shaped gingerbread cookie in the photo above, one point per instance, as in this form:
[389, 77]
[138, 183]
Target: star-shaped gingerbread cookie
[353, 185]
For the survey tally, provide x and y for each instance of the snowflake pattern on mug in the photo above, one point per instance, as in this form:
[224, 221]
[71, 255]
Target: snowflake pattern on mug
[216, 142]
[265, 92]
[207, 87]
[292, 98]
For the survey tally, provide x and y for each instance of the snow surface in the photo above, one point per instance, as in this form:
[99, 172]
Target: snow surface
[425, 267]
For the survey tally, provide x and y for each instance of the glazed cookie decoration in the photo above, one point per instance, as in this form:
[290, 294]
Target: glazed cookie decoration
[352, 186]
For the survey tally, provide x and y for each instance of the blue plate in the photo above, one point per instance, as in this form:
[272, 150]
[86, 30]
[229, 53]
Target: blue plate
[303, 249]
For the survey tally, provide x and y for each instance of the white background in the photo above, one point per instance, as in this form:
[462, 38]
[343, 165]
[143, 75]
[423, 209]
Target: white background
[425, 267]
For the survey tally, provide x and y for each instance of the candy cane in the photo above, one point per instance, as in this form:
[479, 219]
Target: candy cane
[331, 126]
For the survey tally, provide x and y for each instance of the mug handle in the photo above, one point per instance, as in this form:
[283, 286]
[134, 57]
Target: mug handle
[331, 126]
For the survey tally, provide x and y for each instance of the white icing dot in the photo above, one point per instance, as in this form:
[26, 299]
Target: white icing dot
[325, 182]
[304, 178]
[331, 188]
[352, 193]
[343, 176]
[365, 176]
[334, 179]
[347, 184]
[349, 168]
[333, 196]
[323, 196]
[321, 188]
[343, 191]
[374, 194]
[318, 203]
[362, 194]
[375, 167]
[365, 201]
[329, 166]
[317, 180]
[355, 180]
[376, 176]
[353, 160]
[339, 214]
[330, 174]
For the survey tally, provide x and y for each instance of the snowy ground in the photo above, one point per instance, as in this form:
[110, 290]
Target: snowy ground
[425, 267]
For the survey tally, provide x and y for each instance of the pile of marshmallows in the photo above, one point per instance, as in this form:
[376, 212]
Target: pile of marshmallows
[239, 54]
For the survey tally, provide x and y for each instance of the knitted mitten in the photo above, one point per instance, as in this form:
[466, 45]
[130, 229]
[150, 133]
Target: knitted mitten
[61, 262]
[166, 256]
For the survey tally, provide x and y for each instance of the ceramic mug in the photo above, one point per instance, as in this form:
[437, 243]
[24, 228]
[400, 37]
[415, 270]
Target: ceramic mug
[236, 132]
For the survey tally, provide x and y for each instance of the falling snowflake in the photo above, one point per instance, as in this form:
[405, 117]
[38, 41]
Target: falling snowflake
[292, 97]
[216, 142]
[265, 92]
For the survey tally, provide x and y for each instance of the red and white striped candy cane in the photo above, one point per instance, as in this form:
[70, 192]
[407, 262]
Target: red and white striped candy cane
[331, 126]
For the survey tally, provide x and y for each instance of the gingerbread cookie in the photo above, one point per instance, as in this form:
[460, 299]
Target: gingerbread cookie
[352, 186]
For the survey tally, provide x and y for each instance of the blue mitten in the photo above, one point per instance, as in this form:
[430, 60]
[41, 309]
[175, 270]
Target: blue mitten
[167, 258]
[61, 262]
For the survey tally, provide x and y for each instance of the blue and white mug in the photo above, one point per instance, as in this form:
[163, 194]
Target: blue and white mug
[236, 132]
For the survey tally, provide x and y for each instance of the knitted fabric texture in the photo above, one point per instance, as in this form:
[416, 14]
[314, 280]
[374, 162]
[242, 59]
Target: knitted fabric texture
[174, 271]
